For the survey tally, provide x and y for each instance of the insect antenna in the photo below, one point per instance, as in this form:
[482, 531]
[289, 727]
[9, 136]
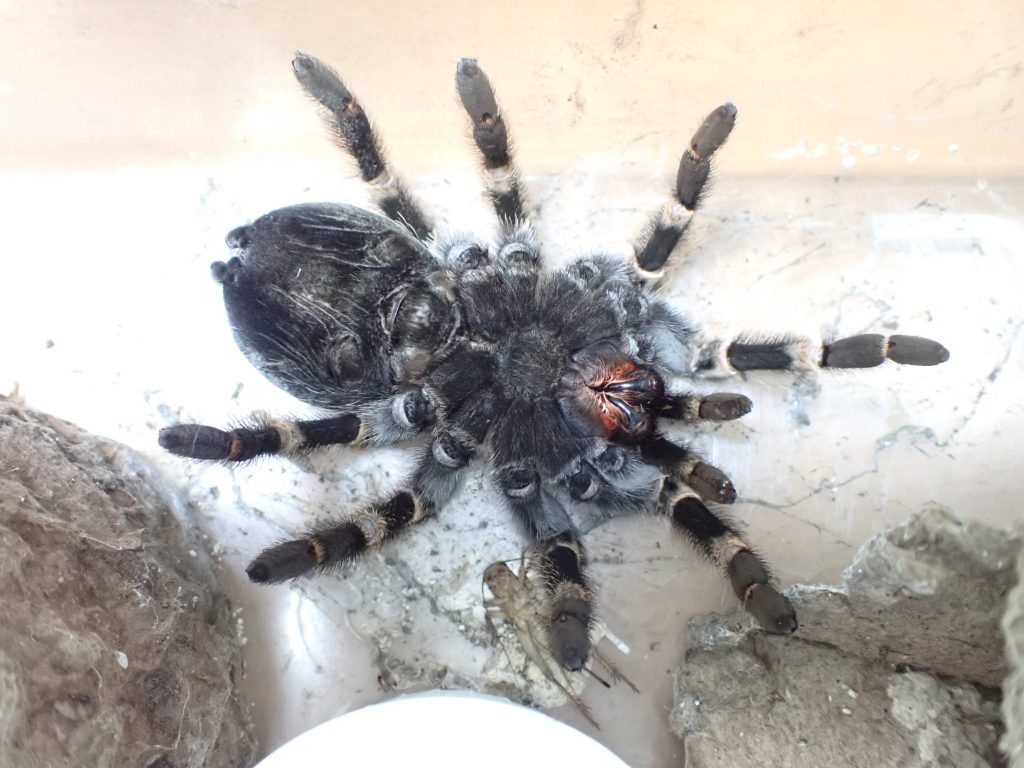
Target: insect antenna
[590, 671]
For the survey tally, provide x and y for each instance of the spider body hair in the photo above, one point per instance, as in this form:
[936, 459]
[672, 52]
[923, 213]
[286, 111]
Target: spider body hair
[557, 379]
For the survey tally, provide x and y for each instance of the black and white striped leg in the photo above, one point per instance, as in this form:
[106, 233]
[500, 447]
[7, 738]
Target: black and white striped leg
[324, 549]
[352, 130]
[670, 222]
[433, 483]
[491, 137]
[690, 407]
[789, 353]
[708, 481]
[262, 437]
[870, 349]
[563, 561]
[719, 540]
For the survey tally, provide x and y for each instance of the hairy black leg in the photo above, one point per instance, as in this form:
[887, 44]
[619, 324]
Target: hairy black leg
[491, 137]
[352, 130]
[684, 465]
[262, 437]
[436, 477]
[613, 483]
[451, 379]
[563, 561]
[724, 545]
[562, 558]
[323, 549]
[670, 222]
[870, 349]
[789, 353]
[720, 406]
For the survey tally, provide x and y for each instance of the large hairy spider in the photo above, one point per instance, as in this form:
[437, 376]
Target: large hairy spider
[558, 379]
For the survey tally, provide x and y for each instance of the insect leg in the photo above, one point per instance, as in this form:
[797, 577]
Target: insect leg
[353, 132]
[670, 222]
[723, 544]
[614, 672]
[491, 137]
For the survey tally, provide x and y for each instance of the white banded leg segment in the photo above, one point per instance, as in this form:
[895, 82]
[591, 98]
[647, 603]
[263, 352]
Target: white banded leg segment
[652, 249]
[394, 199]
[563, 562]
[260, 437]
[709, 482]
[717, 358]
[491, 137]
[324, 549]
[353, 132]
[655, 247]
[719, 540]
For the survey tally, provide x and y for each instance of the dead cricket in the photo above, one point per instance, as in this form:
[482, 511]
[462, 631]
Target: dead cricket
[517, 600]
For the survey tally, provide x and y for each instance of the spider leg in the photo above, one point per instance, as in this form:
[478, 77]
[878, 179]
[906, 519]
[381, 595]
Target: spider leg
[690, 407]
[353, 132]
[676, 461]
[433, 483]
[788, 353]
[560, 558]
[491, 137]
[388, 421]
[669, 223]
[263, 437]
[615, 482]
[563, 561]
[723, 544]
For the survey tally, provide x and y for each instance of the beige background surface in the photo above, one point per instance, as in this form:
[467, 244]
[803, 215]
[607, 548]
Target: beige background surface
[895, 86]
[873, 183]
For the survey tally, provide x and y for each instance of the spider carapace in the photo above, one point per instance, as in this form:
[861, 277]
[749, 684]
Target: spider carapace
[557, 379]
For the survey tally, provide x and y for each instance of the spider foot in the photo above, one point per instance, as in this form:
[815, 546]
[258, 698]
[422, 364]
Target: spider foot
[724, 406]
[772, 609]
[570, 634]
[749, 577]
[870, 349]
[916, 350]
[710, 483]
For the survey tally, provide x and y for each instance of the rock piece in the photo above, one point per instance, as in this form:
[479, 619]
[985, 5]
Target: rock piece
[745, 698]
[841, 691]
[929, 593]
[1013, 686]
[116, 646]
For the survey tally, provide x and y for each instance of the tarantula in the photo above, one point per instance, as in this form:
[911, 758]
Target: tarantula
[559, 379]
